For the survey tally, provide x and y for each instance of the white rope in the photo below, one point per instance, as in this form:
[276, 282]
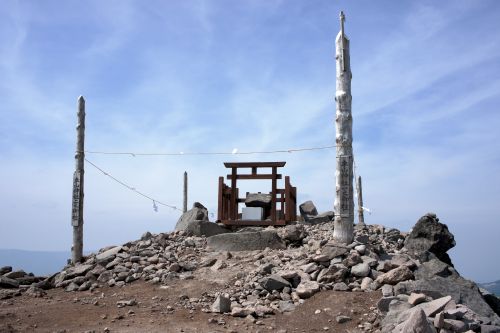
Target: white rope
[155, 208]
[233, 152]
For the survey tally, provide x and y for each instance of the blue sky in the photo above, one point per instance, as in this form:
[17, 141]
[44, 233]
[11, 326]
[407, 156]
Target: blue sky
[171, 76]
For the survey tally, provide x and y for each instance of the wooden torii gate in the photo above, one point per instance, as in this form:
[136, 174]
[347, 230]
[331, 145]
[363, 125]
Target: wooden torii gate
[229, 195]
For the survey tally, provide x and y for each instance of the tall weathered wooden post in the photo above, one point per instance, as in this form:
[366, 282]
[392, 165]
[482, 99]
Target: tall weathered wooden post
[185, 193]
[361, 216]
[344, 203]
[77, 204]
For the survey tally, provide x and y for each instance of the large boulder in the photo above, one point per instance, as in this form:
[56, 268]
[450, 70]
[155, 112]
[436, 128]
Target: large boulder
[109, 254]
[222, 304]
[308, 209]
[417, 322]
[401, 273]
[310, 214]
[492, 300]
[197, 213]
[360, 270]
[307, 288]
[334, 273]
[246, 241]
[461, 290]
[258, 200]
[321, 218]
[5, 270]
[204, 228]
[432, 268]
[274, 282]
[435, 306]
[6, 282]
[428, 235]
[78, 270]
[332, 250]
[15, 274]
[294, 233]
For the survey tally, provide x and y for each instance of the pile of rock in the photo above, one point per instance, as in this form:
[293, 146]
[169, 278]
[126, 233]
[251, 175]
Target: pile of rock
[14, 279]
[13, 283]
[155, 258]
[306, 262]
[269, 270]
[422, 313]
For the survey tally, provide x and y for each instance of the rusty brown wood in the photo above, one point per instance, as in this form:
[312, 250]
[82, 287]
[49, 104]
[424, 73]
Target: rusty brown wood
[273, 195]
[288, 203]
[227, 203]
[236, 201]
[220, 199]
[233, 209]
[254, 164]
[229, 195]
[253, 222]
[263, 176]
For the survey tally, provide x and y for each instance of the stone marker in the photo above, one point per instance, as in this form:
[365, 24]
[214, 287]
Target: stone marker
[245, 241]
[204, 228]
[222, 304]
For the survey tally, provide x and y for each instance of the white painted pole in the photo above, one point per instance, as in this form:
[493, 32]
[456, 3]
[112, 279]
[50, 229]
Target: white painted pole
[361, 214]
[344, 202]
[77, 204]
[185, 193]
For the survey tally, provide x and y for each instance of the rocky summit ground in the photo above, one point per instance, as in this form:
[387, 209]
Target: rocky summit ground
[161, 309]
[290, 279]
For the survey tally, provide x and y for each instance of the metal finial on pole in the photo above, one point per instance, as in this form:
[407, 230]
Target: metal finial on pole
[78, 176]
[342, 19]
[185, 196]
[342, 46]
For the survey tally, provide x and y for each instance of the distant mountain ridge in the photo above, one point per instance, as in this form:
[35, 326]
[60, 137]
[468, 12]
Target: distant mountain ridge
[492, 287]
[37, 262]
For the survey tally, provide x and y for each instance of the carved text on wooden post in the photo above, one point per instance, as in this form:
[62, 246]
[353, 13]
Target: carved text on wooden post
[77, 190]
[345, 185]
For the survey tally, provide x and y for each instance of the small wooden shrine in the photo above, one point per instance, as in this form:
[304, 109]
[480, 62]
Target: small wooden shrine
[282, 207]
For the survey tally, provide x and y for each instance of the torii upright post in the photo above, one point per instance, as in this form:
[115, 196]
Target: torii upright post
[344, 203]
[77, 204]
